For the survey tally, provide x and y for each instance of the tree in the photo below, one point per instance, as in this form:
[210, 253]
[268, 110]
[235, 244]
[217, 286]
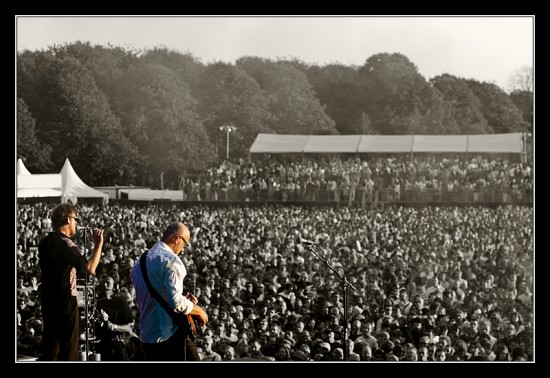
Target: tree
[395, 96]
[159, 116]
[363, 124]
[501, 113]
[34, 154]
[106, 63]
[524, 102]
[73, 117]
[293, 103]
[463, 107]
[337, 88]
[188, 68]
[522, 80]
[228, 95]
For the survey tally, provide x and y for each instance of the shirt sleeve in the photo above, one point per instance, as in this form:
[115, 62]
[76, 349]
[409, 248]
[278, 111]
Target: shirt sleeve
[174, 283]
[72, 254]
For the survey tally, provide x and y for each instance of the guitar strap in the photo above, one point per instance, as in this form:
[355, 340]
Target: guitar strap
[152, 290]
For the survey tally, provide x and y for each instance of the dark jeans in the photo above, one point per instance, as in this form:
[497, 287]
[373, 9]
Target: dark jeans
[60, 337]
[177, 348]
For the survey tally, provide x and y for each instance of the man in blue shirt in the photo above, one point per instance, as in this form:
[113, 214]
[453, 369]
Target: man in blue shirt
[162, 339]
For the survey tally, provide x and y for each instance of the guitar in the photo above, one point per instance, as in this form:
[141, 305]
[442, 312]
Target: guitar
[185, 321]
[190, 325]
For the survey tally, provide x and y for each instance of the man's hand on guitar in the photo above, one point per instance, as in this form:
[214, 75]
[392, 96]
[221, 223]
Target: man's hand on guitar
[192, 298]
[199, 314]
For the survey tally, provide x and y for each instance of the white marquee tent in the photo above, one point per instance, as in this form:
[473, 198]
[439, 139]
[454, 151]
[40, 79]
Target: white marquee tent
[66, 184]
[284, 143]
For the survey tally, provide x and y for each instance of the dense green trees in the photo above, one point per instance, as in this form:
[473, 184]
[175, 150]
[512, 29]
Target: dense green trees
[466, 116]
[499, 110]
[36, 154]
[227, 95]
[293, 104]
[524, 102]
[125, 116]
[74, 119]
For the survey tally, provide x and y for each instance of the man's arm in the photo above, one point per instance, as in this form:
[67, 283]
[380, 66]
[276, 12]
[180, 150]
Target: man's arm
[91, 264]
[128, 328]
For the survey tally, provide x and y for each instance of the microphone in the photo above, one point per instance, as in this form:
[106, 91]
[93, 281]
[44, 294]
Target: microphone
[83, 228]
[307, 242]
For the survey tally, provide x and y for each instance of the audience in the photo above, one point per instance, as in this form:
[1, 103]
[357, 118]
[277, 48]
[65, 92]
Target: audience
[468, 271]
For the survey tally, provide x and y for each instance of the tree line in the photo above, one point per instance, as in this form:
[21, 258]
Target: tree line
[125, 116]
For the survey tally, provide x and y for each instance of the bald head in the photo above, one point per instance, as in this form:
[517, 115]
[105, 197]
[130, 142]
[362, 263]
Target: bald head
[176, 236]
[174, 228]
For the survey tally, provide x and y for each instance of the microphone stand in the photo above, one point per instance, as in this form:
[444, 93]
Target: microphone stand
[345, 285]
[86, 321]
[86, 299]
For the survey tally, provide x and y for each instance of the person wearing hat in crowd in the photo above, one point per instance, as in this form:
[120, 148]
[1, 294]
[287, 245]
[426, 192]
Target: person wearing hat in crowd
[59, 259]
[162, 339]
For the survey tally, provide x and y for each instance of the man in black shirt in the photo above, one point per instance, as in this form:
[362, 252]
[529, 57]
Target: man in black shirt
[59, 260]
[114, 324]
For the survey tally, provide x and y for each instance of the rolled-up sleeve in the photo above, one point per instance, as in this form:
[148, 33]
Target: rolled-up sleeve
[174, 283]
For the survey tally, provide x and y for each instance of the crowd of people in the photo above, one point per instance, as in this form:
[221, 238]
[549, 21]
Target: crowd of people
[433, 283]
[365, 181]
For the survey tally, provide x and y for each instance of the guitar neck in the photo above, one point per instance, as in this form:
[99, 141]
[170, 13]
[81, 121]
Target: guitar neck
[187, 290]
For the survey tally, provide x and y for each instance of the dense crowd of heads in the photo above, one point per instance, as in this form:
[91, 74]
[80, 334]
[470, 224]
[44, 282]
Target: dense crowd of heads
[286, 178]
[431, 283]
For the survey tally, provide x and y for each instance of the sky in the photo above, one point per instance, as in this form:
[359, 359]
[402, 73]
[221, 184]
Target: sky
[488, 49]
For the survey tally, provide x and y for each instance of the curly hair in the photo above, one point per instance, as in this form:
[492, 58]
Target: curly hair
[60, 213]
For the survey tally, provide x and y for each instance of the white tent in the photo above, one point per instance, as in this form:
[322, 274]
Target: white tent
[21, 169]
[65, 184]
[40, 185]
[73, 187]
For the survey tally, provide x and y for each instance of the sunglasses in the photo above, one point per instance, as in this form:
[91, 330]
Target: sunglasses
[186, 245]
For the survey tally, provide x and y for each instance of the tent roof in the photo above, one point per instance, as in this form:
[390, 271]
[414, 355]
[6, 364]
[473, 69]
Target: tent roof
[74, 187]
[39, 181]
[38, 192]
[65, 184]
[284, 143]
[279, 143]
[385, 143]
[496, 143]
[440, 143]
[38, 185]
[332, 143]
[21, 169]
